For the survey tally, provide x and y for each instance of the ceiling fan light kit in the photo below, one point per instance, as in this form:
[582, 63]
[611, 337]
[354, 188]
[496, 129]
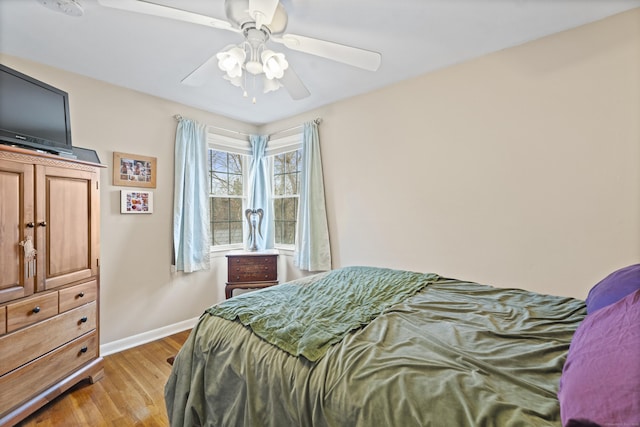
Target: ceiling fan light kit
[259, 21]
[253, 57]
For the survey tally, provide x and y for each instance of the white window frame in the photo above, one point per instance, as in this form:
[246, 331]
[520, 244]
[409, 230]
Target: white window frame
[241, 145]
[234, 145]
[281, 146]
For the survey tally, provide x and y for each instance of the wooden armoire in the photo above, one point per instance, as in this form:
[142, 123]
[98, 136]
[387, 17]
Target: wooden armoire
[49, 278]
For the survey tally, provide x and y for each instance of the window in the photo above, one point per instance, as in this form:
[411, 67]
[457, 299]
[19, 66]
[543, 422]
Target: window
[226, 197]
[286, 182]
[228, 168]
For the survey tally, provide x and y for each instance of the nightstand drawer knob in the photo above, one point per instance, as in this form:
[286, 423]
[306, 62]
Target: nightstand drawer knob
[84, 319]
[84, 349]
[36, 309]
[81, 294]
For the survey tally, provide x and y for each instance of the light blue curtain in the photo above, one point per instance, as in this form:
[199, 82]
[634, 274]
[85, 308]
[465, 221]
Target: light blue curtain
[312, 252]
[191, 233]
[259, 196]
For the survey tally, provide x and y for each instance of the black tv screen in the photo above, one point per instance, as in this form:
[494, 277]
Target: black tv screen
[33, 114]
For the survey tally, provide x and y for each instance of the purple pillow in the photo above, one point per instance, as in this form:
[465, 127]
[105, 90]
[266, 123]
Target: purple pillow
[612, 288]
[600, 380]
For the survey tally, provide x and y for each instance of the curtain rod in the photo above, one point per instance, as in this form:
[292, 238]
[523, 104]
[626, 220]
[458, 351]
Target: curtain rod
[178, 117]
[317, 121]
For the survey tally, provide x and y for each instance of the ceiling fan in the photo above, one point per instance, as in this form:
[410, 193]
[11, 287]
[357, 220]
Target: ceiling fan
[258, 21]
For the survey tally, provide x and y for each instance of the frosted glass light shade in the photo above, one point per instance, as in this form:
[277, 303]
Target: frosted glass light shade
[231, 60]
[273, 64]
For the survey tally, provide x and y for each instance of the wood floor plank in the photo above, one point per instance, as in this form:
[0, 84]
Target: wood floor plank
[131, 393]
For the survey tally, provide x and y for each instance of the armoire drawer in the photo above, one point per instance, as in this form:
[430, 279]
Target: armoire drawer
[31, 342]
[77, 295]
[31, 310]
[19, 385]
[3, 320]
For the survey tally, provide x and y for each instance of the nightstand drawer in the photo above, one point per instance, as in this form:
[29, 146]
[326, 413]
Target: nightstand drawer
[240, 260]
[252, 268]
[253, 274]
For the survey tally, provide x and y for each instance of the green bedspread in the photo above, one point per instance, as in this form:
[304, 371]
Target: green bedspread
[452, 354]
[308, 316]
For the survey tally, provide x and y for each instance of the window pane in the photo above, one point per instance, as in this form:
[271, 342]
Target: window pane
[278, 164]
[291, 186]
[279, 231]
[277, 208]
[289, 209]
[289, 233]
[220, 209]
[235, 185]
[226, 212]
[286, 181]
[235, 163]
[278, 185]
[220, 233]
[235, 232]
[235, 209]
[291, 164]
[218, 161]
[219, 184]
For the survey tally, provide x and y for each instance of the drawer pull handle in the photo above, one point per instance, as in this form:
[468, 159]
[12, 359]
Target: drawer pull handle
[36, 309]
[84, 349]
[42, 223]
[30, 225]
[81, 294]
[83, 319]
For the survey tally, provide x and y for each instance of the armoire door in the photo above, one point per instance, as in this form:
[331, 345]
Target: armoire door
[67, 212]
[17, 277]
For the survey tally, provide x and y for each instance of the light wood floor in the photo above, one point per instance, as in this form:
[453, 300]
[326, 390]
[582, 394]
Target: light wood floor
[131, 393]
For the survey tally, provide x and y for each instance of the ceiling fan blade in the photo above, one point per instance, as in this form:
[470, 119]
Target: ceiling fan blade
[294, 85]
[142, 6]
[354, 56]
[200, 75]
[262, 11]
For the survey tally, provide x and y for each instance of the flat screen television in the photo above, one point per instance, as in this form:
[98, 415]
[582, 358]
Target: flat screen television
[33, 114]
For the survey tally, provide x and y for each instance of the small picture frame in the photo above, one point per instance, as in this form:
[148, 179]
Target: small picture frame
[134, 170]
[136, 202]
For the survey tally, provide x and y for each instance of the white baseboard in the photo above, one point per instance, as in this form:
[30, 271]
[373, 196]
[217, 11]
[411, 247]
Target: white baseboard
[145, 337]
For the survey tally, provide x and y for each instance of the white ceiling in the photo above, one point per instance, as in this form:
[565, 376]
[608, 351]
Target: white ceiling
[152, 54]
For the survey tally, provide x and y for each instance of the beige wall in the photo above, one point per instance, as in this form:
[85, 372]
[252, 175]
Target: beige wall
[521, 168]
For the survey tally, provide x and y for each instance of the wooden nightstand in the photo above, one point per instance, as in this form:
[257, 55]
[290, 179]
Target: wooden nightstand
[251, 270]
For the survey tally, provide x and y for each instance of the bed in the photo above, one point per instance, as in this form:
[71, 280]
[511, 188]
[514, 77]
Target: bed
[365, 346]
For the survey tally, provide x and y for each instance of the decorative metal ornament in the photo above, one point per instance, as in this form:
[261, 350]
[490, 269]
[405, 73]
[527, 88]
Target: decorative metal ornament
[254, 219]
